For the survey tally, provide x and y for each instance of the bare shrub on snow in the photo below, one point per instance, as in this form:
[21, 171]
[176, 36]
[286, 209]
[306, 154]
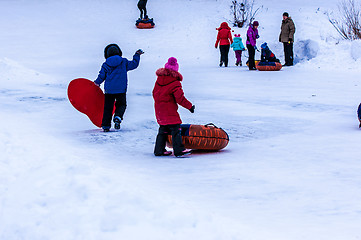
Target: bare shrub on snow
[243, 12]
[348, 23]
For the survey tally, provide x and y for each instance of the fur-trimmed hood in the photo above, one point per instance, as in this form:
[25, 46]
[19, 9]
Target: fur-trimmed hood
[168, 94]
[166, 76]
[287, 20]
[224, 25]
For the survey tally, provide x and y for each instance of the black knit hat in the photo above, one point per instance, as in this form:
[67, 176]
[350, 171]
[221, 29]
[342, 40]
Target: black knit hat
[285, 14]
[112, 50]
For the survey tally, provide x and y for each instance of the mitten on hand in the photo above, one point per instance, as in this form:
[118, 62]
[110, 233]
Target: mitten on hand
[139, 51]
[192, 109]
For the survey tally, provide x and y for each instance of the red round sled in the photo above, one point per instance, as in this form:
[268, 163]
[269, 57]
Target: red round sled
[272, 66]
[202, 137]
[87, 98]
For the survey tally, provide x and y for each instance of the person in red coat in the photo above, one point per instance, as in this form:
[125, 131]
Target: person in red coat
[224, 39]
[167, 94]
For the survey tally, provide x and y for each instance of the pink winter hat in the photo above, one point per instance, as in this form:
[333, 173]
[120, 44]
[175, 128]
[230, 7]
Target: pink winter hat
[172, 64]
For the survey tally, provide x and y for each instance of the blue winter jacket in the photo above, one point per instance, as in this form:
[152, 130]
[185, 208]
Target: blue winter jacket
[237, 44]
[114, 73]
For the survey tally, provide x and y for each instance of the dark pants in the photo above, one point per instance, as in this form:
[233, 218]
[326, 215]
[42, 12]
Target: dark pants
[224, 49]
[142, 9]
[120, 106]
[288, 50]
[251, 54]
[164, 131]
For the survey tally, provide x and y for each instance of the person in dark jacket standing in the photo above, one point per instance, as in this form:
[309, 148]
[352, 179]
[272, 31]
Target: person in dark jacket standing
[142, 8]
[287, 38]
[224, 39]
[167, 94]
[114, 73]
[252, 36]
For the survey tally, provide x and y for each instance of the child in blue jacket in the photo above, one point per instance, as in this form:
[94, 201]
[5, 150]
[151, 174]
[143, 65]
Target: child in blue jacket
[114, 73]
[238, 47]
[267, 55]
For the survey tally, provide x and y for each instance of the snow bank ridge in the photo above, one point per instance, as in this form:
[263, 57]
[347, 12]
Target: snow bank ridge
[305, 50]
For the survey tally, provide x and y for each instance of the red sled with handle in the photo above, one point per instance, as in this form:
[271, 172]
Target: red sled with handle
[87, 98]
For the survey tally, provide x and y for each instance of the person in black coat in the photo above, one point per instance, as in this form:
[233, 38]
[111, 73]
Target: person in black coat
[142, 8]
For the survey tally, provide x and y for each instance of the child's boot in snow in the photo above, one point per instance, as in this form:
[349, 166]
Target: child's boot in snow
[184, 153]
[167, 153]
[106, 128]
[117, 120]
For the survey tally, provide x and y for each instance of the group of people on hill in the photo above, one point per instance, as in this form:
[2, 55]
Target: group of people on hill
[167, 91]
[225, 42]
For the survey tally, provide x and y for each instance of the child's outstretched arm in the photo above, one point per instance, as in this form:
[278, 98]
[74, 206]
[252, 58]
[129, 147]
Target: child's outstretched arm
[131, 65]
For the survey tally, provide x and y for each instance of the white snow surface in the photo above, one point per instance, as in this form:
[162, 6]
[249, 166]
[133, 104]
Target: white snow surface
[291, 169]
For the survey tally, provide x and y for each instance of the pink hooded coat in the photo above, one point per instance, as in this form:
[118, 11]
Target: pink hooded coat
[167, 94]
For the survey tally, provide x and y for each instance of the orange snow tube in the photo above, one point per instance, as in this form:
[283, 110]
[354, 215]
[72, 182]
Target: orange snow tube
[202, 137]
[144, 25]
[269, 66]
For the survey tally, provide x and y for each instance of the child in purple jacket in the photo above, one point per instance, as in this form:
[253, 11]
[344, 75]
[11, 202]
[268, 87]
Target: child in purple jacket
[252, 36]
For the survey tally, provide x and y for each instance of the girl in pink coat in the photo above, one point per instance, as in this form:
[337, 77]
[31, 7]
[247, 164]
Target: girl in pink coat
[167, 95]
